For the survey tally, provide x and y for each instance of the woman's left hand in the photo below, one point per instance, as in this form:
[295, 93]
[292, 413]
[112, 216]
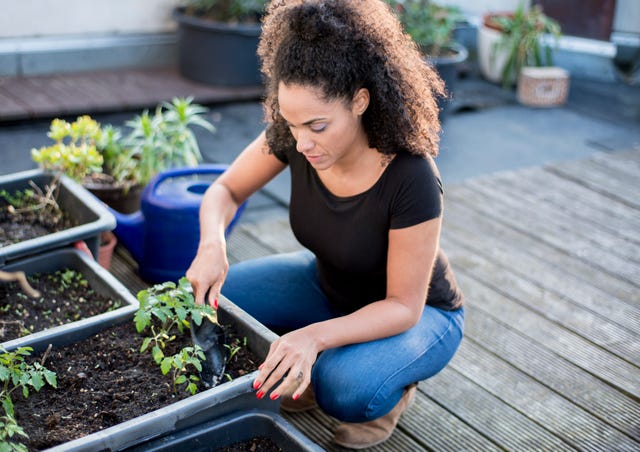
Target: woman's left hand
[291, 356]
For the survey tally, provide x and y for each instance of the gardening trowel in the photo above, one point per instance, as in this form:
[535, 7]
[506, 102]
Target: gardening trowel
[210, 336]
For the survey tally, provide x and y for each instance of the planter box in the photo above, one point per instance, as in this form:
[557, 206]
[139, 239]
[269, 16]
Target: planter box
[100, 280]
[89, 214]
[222, 400]
[229, 430]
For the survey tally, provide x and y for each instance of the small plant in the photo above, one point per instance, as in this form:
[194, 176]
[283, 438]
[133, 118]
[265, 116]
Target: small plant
[430, 25]
[34, 204]
[165, 139]
[17, 374]
[241, 11]
[165, 310]
[74, 152]
[521, 34]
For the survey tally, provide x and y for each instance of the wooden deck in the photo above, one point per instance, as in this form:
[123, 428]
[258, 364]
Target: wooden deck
[549, 260]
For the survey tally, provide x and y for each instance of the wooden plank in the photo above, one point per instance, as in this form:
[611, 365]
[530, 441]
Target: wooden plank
[627, 162]
[511, 211]
[602, 180]
[462, 215]
[598, 329]
[10, 107]
[34, 100]
[522, 203]
[509, 255]
[242, 246]
[543, 187]
[582, 388]
[557, 414]
[572, 347]
[560, 238]
[439, 429]
[488, 413]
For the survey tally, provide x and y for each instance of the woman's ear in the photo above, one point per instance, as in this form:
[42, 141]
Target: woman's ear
[360, 101]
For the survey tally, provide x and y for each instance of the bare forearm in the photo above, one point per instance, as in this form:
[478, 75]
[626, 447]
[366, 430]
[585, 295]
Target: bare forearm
[375, 321]
[216, 212]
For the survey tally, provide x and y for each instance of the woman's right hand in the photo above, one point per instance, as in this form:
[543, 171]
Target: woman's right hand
[208, 271]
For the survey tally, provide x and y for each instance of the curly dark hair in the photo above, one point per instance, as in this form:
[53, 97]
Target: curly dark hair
[341, 46]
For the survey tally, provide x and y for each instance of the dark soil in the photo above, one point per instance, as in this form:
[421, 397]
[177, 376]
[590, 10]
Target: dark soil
[65, 297]
[104, 381]
[20, 227]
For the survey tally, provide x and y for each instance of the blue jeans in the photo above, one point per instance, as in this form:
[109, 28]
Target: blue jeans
[353, 383]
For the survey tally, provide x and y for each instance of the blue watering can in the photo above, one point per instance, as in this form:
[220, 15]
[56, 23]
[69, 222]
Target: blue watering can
[163, 235]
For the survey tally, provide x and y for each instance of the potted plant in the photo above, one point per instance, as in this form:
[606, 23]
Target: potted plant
[432, 27]
[508, 41]
[40, 211]
[218, 41]
[115, 166]
[188, 411]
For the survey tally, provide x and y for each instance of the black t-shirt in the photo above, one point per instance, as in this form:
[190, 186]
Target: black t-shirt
[349, 235]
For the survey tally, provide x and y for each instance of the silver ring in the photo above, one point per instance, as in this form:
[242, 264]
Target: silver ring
[300, 375]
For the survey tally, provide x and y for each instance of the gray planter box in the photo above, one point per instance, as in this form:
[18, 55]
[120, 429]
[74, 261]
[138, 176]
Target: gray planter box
[100, 281]
[89, 214]
[229, 430]
[222, 400]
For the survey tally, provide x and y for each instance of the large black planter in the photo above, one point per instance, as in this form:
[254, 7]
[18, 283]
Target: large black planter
[223, 400]
[217, 53]
[447, 67]
[230, 430]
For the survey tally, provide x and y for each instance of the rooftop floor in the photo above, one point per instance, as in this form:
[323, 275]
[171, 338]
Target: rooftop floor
[542, 222]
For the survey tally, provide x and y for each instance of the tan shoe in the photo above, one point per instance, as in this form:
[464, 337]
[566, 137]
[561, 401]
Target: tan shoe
[306, 401]
[367, 434]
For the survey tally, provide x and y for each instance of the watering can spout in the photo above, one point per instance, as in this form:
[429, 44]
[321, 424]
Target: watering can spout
[130, 231]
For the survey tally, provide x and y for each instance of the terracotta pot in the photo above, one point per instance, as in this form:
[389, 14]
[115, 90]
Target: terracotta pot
[107, 245]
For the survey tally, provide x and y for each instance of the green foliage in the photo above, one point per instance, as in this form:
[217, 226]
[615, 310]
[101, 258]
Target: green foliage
[521, 34]
[164, 312]
[165, 139]
[74, 152]
[154, 143]
[17, 374]
[232, 11]
[430, 25]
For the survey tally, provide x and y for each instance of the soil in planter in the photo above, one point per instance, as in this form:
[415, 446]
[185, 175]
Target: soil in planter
[104, 381]
[65, 296]
[24, 225]
[258, 444]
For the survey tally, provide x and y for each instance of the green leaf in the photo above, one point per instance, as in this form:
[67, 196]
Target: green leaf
[181, 379]
[157, 354]
[165, 366]
[145, 344]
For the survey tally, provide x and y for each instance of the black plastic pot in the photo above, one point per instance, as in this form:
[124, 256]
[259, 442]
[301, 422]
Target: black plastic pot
[100, 280]
[222, 400]
[90, 215]
[447, 67]
[217, 53]
[229, 430]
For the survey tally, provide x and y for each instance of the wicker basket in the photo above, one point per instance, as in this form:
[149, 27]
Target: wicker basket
[543, 86]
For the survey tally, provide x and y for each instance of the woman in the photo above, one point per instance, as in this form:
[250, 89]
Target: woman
[371, 307]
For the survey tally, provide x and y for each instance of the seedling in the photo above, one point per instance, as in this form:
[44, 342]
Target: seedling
[16, 373]
[165, 310]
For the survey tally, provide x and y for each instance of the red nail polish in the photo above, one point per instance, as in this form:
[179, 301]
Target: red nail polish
[256, 384]
[215, 303]
[274, 396]
[260, 394]
[296, 397]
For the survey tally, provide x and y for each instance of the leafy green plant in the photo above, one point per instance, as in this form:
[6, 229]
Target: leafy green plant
[164, 312]
[165, 139]
[74, 152]
[85, 150]
[242, 11]
[17, 374]
[521, 37]
[429, 24]
[34, 204]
